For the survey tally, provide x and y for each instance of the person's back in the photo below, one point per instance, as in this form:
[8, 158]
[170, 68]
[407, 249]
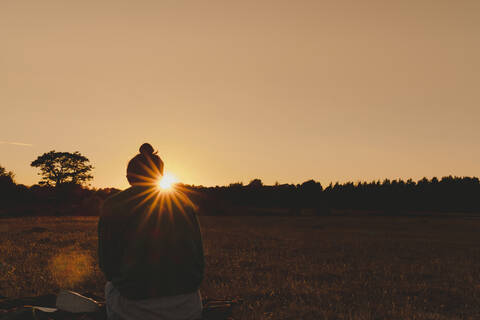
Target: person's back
[150, 250]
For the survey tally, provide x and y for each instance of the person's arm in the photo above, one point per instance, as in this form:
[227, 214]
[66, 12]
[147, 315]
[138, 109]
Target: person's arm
[105, 248]
[198, 242]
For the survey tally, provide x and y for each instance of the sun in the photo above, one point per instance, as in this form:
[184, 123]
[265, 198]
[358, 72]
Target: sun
[167, 181]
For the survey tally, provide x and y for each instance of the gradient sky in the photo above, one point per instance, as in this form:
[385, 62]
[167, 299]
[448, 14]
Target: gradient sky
[234, 90]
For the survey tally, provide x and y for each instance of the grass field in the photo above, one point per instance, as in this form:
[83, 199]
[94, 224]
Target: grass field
[336, 267]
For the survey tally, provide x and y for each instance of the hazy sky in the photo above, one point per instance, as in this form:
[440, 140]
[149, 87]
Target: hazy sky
[234, 90]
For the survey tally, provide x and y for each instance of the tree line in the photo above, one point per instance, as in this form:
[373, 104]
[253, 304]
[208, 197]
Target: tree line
[448, 194]
[62, 190]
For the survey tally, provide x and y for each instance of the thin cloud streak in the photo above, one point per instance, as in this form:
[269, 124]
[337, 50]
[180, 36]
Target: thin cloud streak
[17, 143]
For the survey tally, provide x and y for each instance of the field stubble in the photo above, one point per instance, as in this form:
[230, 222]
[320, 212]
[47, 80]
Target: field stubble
[344, 267]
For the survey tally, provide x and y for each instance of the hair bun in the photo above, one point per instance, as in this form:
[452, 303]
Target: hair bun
[146, 148]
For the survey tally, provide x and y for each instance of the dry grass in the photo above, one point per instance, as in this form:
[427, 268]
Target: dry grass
[341, 267]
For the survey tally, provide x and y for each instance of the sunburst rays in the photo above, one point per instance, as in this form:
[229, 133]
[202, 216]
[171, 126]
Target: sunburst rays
[167, 181]
[160, 194]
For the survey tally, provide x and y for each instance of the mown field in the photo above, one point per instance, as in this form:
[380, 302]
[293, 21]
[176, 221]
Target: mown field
[336, 267]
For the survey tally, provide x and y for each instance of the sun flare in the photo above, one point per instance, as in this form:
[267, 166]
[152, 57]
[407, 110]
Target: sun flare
[167, 181]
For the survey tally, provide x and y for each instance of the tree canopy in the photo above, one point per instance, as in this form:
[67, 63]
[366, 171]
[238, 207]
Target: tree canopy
[255, 183]
[6, 176]
[63, 167]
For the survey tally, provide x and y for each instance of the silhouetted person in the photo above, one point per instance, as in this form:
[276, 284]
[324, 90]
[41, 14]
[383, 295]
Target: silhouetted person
[150, 248]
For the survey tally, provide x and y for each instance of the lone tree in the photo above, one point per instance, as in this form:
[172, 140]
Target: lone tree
[63, 167]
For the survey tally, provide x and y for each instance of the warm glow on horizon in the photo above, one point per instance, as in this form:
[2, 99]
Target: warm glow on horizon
[167, 181]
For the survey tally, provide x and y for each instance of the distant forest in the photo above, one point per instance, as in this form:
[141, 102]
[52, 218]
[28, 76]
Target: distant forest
[448, 194]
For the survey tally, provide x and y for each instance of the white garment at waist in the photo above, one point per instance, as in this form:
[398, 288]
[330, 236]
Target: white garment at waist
[181, 307]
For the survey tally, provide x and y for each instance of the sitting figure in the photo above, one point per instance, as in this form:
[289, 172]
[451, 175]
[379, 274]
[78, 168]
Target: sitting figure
[150, 248]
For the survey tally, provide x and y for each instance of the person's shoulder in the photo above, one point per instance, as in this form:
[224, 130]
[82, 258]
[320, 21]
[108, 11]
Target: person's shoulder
[114, 201]
[191, 211]
[178, 208]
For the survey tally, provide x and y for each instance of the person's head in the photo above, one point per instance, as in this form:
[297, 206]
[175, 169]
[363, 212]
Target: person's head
[146, 168]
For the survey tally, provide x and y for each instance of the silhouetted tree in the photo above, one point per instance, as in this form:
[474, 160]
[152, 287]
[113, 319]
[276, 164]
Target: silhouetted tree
[6, 177]
[311, 186]
[255, 183]
[63, 167]
[7, 187]
[310, 193]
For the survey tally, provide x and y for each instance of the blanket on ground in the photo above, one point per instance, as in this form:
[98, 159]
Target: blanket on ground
[45, 308]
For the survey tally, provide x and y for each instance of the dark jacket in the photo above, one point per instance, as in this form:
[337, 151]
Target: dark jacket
[149, 244]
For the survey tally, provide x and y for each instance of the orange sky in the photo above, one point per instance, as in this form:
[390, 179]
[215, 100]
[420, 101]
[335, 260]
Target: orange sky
[233, 90]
